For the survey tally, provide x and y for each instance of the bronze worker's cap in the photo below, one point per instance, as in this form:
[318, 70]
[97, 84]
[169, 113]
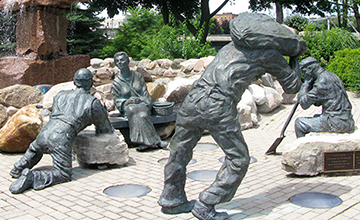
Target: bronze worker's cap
[83, 74]
[307, 61]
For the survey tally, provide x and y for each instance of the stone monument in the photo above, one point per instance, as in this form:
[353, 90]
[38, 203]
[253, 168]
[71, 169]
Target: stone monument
[41, 44]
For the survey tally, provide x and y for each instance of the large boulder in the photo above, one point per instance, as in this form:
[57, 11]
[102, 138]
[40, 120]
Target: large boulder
[258, 93]
[96, 63]
[145, 74]
[104, 94]
[273, 100]
[179, 88]
[20, 130]
[287, 98]
[99, 149]
[19, 96]
[19, 70]
[305, 155]
[188, 65]
[3, 115]
[156, 90]
[49, 96]
[247, 111]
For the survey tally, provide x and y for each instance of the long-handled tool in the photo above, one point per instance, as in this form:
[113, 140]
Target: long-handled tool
[272, 149]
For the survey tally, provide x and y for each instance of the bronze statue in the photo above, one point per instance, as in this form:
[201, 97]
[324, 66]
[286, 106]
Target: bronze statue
[323, 88]
[133, 101]
[72, 111]
[211, 105]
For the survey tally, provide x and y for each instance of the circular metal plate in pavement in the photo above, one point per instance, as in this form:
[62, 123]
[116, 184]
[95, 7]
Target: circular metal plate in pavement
[205, 147]
[203, 175]
[315, 200]
[164, 161]
[127, 191]
[252, 159]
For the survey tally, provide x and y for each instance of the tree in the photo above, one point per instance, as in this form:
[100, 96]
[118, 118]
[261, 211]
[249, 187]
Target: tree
[130, 37]
[319, 7]
[183, 11]
[81, 35]
[226, 27]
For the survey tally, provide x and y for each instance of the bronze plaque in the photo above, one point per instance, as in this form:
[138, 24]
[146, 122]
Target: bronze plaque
[339, 161]
[357, 160]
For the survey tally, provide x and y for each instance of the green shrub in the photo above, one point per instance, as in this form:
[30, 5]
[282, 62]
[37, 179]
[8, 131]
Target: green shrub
[323, 44]
[346, 64]
[144, 36]
[173, 43]
[296, 21]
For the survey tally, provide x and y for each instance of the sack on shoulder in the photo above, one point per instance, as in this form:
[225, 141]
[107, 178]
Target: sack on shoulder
[259, 31]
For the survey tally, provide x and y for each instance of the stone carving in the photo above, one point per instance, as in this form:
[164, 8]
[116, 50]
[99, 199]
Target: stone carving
[305, 155]
[133, 101]
[72, 111]
[323, 88]
[211, 105]
[20, 130]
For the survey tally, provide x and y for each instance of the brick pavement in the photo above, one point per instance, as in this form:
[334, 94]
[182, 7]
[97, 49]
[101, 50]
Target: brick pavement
[263, 194]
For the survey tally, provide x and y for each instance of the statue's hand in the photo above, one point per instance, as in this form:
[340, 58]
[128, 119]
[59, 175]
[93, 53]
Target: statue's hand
[131, 100]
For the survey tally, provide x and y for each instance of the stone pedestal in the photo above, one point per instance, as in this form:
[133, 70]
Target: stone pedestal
[305, 155]
[100, 149]
[16, 70]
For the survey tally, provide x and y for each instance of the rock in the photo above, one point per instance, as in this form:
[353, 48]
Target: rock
[108, 63]
[146, 74]
[103, 93]
[49, 96]
[247, 111]
[18, 70]
[163, 81]
[287, 98]
[151, 65]
[96, 63]
[133, 63]
[90, 148]
[176, 64]
[170, 73]
[207, 60]
[179, 88]
[199, 66]
[143, 63]
[104, 73]
[20, 130]
[11, 110]
[267, 80]
[273, 100]
[305, 155]
[188, 66]
[165, 130]
[20, 96]
[33, 36]
[92, 70]
[258, 93]
[155, 90]
[164, 63]
[244, 113]
[3, 115]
